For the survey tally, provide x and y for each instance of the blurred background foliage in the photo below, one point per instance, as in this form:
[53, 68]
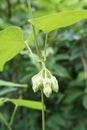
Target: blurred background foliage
[66, 59]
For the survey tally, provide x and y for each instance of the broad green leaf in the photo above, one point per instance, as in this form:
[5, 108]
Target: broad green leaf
[11, 43]
[58, 20]
[23, 103]
[56, 1]
[11, 84]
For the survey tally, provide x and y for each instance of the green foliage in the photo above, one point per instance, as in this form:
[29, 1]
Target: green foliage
[80, 126]
[5, 91]
[57, 20]
[66, 59]
[11, 40]
[24, 103]
[11, 87]
[5, 122]
[11, 84]
[85, 101]
[56, 6]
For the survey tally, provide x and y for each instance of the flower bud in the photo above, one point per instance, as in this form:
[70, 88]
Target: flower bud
[45, 80]
[47, 91]
[35, 88]
[54, 84]
[37, 82]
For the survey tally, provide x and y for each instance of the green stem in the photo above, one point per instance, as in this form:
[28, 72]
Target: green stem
[39, 55]
[34, 31]
[36, 41]
[5, 122]
[13, 114]
[45, 46]
[43, 111]
[29, 49]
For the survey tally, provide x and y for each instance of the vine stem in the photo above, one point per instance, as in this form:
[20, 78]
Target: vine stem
[29, 49]
[39, 55]
[45, 46]
[34, 31]
[43, 111]
[5, 122]
[13, 114]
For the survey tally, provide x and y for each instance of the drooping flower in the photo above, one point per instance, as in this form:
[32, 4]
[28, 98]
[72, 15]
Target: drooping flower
[46, 81]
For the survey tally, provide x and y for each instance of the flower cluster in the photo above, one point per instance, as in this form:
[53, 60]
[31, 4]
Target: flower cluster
[46, 81]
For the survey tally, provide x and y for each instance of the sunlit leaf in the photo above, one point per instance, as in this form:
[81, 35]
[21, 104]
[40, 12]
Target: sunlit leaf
[11, 43]
[23, 103]
[58, 20]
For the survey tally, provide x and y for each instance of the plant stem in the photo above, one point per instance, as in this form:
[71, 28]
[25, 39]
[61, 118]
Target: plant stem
[5, 122]
[39, 55]
[13, 114]
[34, 31]
[45, 46]
[43, 112]
[29, 49]
[36, 41]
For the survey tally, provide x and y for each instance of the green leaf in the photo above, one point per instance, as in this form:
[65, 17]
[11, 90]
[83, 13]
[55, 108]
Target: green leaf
[11, 84]
[11, 43]
[61, 71]
[58, 20]
[6, 91]
[23, 103]
[62, 57]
